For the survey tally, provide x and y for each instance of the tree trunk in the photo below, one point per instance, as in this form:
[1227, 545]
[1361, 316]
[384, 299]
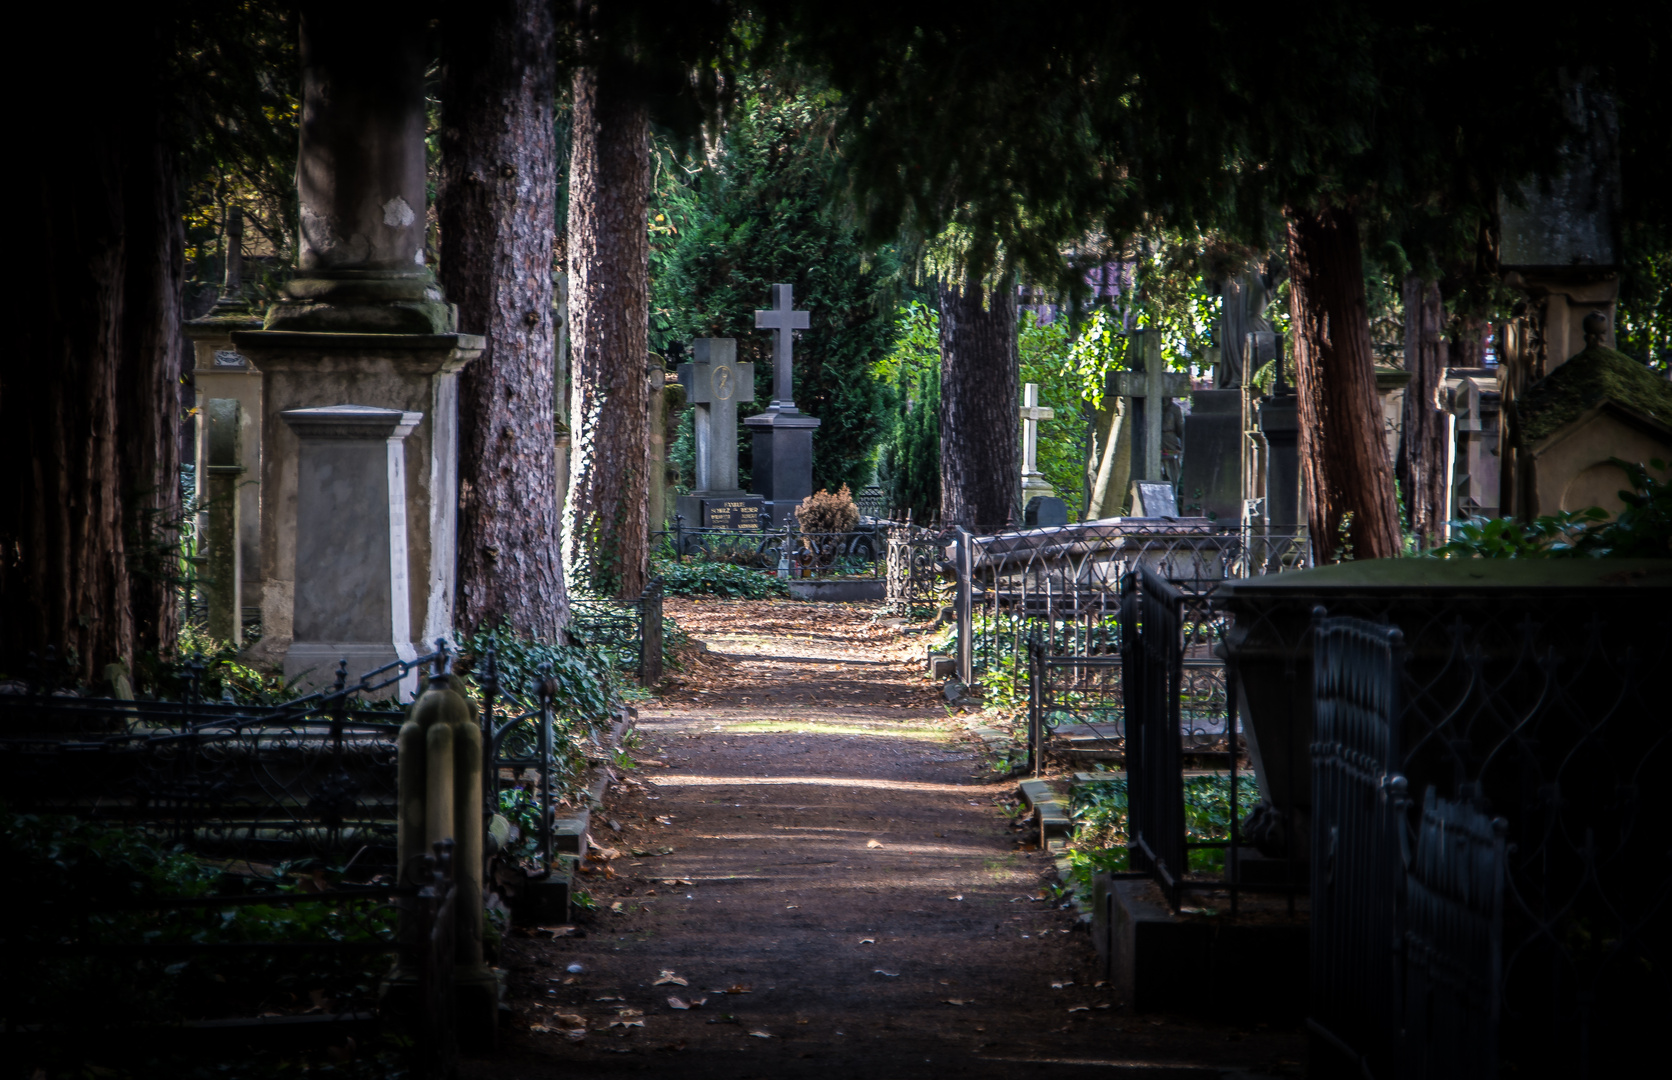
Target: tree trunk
[148, 394]
[1344, 462]
[1111, 461]
[1422, 438]
[496, 208]
[63, 564]
[604, 520]
[980, 383]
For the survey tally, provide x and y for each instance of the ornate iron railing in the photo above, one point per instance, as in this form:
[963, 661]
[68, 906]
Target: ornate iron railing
[1515, 916]
[628, 632]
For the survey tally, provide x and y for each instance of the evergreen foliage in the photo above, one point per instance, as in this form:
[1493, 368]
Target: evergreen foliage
[768, 210]
[910, 467]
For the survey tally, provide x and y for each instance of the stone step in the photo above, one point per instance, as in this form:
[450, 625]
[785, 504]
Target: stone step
[1050, 810]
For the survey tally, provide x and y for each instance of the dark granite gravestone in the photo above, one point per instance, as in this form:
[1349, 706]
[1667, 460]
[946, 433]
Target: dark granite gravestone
[715, 384]
[1210, 481]
[1155, 500]
[783, 466]
[1044, 512]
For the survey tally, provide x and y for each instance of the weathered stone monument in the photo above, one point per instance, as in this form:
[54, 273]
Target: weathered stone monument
[1210, 478]
[363, 321]
[1271, 429]
[715, 385]
[1568, 428]
[221, 373]
[1153, 413]
[783, 435]
[218, 483]
[1034, 483]
[1471, 400]
[353, 599]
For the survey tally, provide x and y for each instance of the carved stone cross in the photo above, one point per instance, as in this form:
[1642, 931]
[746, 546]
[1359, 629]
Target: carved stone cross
[783, 321]
[1033, 483]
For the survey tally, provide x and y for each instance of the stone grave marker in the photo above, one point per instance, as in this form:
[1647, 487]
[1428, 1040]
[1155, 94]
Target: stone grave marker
[1153, 500]
[715, 384]
[1034, 484]
[783, 435]
[353, 597]
[220, 498]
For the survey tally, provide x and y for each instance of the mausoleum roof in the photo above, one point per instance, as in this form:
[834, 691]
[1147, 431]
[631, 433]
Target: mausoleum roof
[1593, 376]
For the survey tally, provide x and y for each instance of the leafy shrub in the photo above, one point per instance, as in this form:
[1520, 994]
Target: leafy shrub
[580, 675]
[822, 512]
[1100, 815]
[1642, 531]
[701, 577]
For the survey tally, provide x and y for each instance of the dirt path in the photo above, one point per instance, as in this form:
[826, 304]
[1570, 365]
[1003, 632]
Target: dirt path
[843, 892]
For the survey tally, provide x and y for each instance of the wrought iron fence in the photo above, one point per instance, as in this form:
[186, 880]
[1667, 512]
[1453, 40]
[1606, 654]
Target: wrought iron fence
[310, 778]
[1065, 582]
[786, 550]
[1513, 917]
[916, 563]
[1155, 694]
[155, 941]
[628, 632]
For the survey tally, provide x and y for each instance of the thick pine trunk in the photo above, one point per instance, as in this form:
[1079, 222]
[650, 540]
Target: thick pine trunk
[496, 209]
[1344, 460]
[604, 519]
[1422, 439]
[980, 473]
[63, 563]
[148, 397]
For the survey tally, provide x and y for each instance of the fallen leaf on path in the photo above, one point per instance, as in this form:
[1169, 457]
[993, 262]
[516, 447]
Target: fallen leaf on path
[610, 999]
[1080, 1008]
[616, 907]
[736, 988]
[677, 881]
[676, 1003]
[890, 974]
[557, 931]
[873, 843]
[960, 1001]
[626, 1018]
[761, 1034]
[867, 941]
[1060, 985]
[667, 976]
[960, 896]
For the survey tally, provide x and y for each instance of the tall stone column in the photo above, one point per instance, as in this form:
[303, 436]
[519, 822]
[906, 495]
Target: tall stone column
[363, 321]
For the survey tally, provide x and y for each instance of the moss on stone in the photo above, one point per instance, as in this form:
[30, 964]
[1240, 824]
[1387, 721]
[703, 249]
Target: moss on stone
[1591, 377]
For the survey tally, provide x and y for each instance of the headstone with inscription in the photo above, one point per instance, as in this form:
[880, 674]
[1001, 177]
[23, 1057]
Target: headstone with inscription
[783, 447]
[715, 384]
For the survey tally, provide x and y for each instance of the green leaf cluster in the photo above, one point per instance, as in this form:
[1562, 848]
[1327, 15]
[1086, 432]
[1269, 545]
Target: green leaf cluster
[1643, 529]
[704, 577]
[909, 469]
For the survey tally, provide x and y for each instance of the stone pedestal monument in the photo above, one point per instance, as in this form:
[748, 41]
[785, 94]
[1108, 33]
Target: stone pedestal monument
[783, 434]
[353, 598]
[219, 479]
[715, 385]
[363, 321]
[1150, 391]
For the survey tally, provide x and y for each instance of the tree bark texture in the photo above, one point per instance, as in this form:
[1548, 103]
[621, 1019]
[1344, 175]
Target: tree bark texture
[90, 397]
[980, 385]
[496, 208]
[1422, 429]
[1344, 461]
[604, 523]
[148, 393]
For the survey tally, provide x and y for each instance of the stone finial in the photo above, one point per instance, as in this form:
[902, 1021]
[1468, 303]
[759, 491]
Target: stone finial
[1596, 325]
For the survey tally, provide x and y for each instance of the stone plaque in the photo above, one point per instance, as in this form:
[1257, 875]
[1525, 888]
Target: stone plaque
[230, 358]
[742, 515]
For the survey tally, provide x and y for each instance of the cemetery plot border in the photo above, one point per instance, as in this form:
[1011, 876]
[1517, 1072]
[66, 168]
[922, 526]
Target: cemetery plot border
[858, 552]
[1485, 888]
[628, 631]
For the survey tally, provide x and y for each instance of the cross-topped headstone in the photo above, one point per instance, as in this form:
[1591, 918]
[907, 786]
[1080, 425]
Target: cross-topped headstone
[715, 383]
[1033, 481]
[783, 321]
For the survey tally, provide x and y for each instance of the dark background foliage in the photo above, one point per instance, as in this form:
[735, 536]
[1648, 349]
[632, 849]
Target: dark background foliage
[768, 211]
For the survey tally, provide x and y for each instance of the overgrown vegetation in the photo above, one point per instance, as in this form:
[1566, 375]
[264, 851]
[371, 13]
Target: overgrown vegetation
[1100, 815]
[1643, 529]
[90, 884]
[706, 577]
